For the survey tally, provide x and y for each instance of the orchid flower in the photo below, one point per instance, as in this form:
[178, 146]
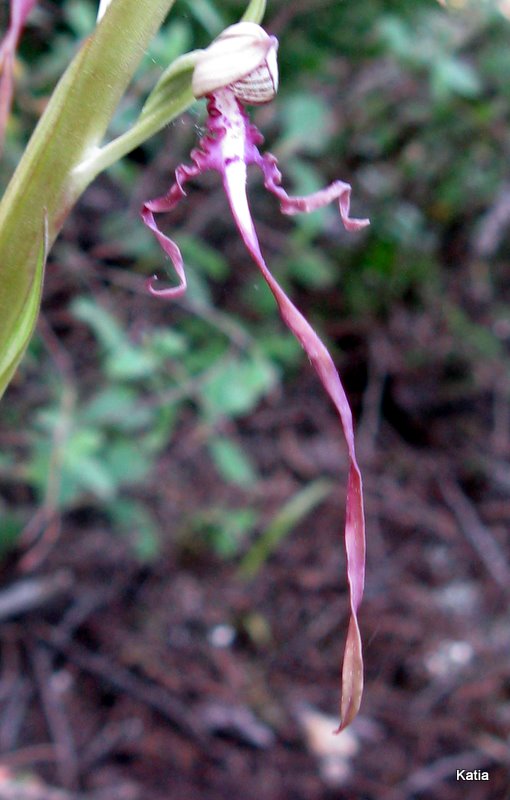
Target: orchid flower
[240, 67]
[20, 9]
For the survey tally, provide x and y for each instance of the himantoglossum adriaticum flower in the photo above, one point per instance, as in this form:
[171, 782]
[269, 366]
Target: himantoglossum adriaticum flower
[240, 68]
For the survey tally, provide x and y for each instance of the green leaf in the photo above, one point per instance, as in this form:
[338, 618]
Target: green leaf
[280, 347]
[237, 386]
[397, 37]
[211, 261]
[9, 534]
[126, 463]
[161, 431]
[231, 462]
[124, 361]
[224, 529]
[453, 76]
[82, 467]
[312, 268]
[117, 407]
[18, 335]
[166, 343]
[306, 121]
[80, 16]
[134, 520]
[88, 474]
[295, 510]
[130, 363]
[104, 325]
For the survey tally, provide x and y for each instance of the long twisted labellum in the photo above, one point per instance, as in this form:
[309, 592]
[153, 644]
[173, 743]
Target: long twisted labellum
[240, 66]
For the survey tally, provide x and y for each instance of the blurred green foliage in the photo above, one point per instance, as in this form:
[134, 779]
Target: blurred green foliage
[407, 100]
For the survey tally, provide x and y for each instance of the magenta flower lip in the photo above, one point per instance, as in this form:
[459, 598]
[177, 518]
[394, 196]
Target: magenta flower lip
[229, 146]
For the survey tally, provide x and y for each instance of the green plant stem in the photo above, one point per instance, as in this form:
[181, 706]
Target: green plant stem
[173, 100]
[118, 148]
[255, 11]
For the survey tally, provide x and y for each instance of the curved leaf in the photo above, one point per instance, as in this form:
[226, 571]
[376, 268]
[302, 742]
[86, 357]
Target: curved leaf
[27, 317]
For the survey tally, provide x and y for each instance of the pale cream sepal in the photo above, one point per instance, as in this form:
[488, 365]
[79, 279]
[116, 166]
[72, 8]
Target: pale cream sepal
[243, 57]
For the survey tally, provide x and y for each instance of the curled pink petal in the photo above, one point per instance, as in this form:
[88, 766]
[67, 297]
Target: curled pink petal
[20, 9]
[338, 190]
[166, 203]
[171, 249]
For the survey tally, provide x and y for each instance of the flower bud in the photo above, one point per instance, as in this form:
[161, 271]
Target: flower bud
[242, 58]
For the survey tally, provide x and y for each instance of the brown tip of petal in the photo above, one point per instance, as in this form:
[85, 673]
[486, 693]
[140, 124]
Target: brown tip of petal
[243, 57]
[352, 676]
